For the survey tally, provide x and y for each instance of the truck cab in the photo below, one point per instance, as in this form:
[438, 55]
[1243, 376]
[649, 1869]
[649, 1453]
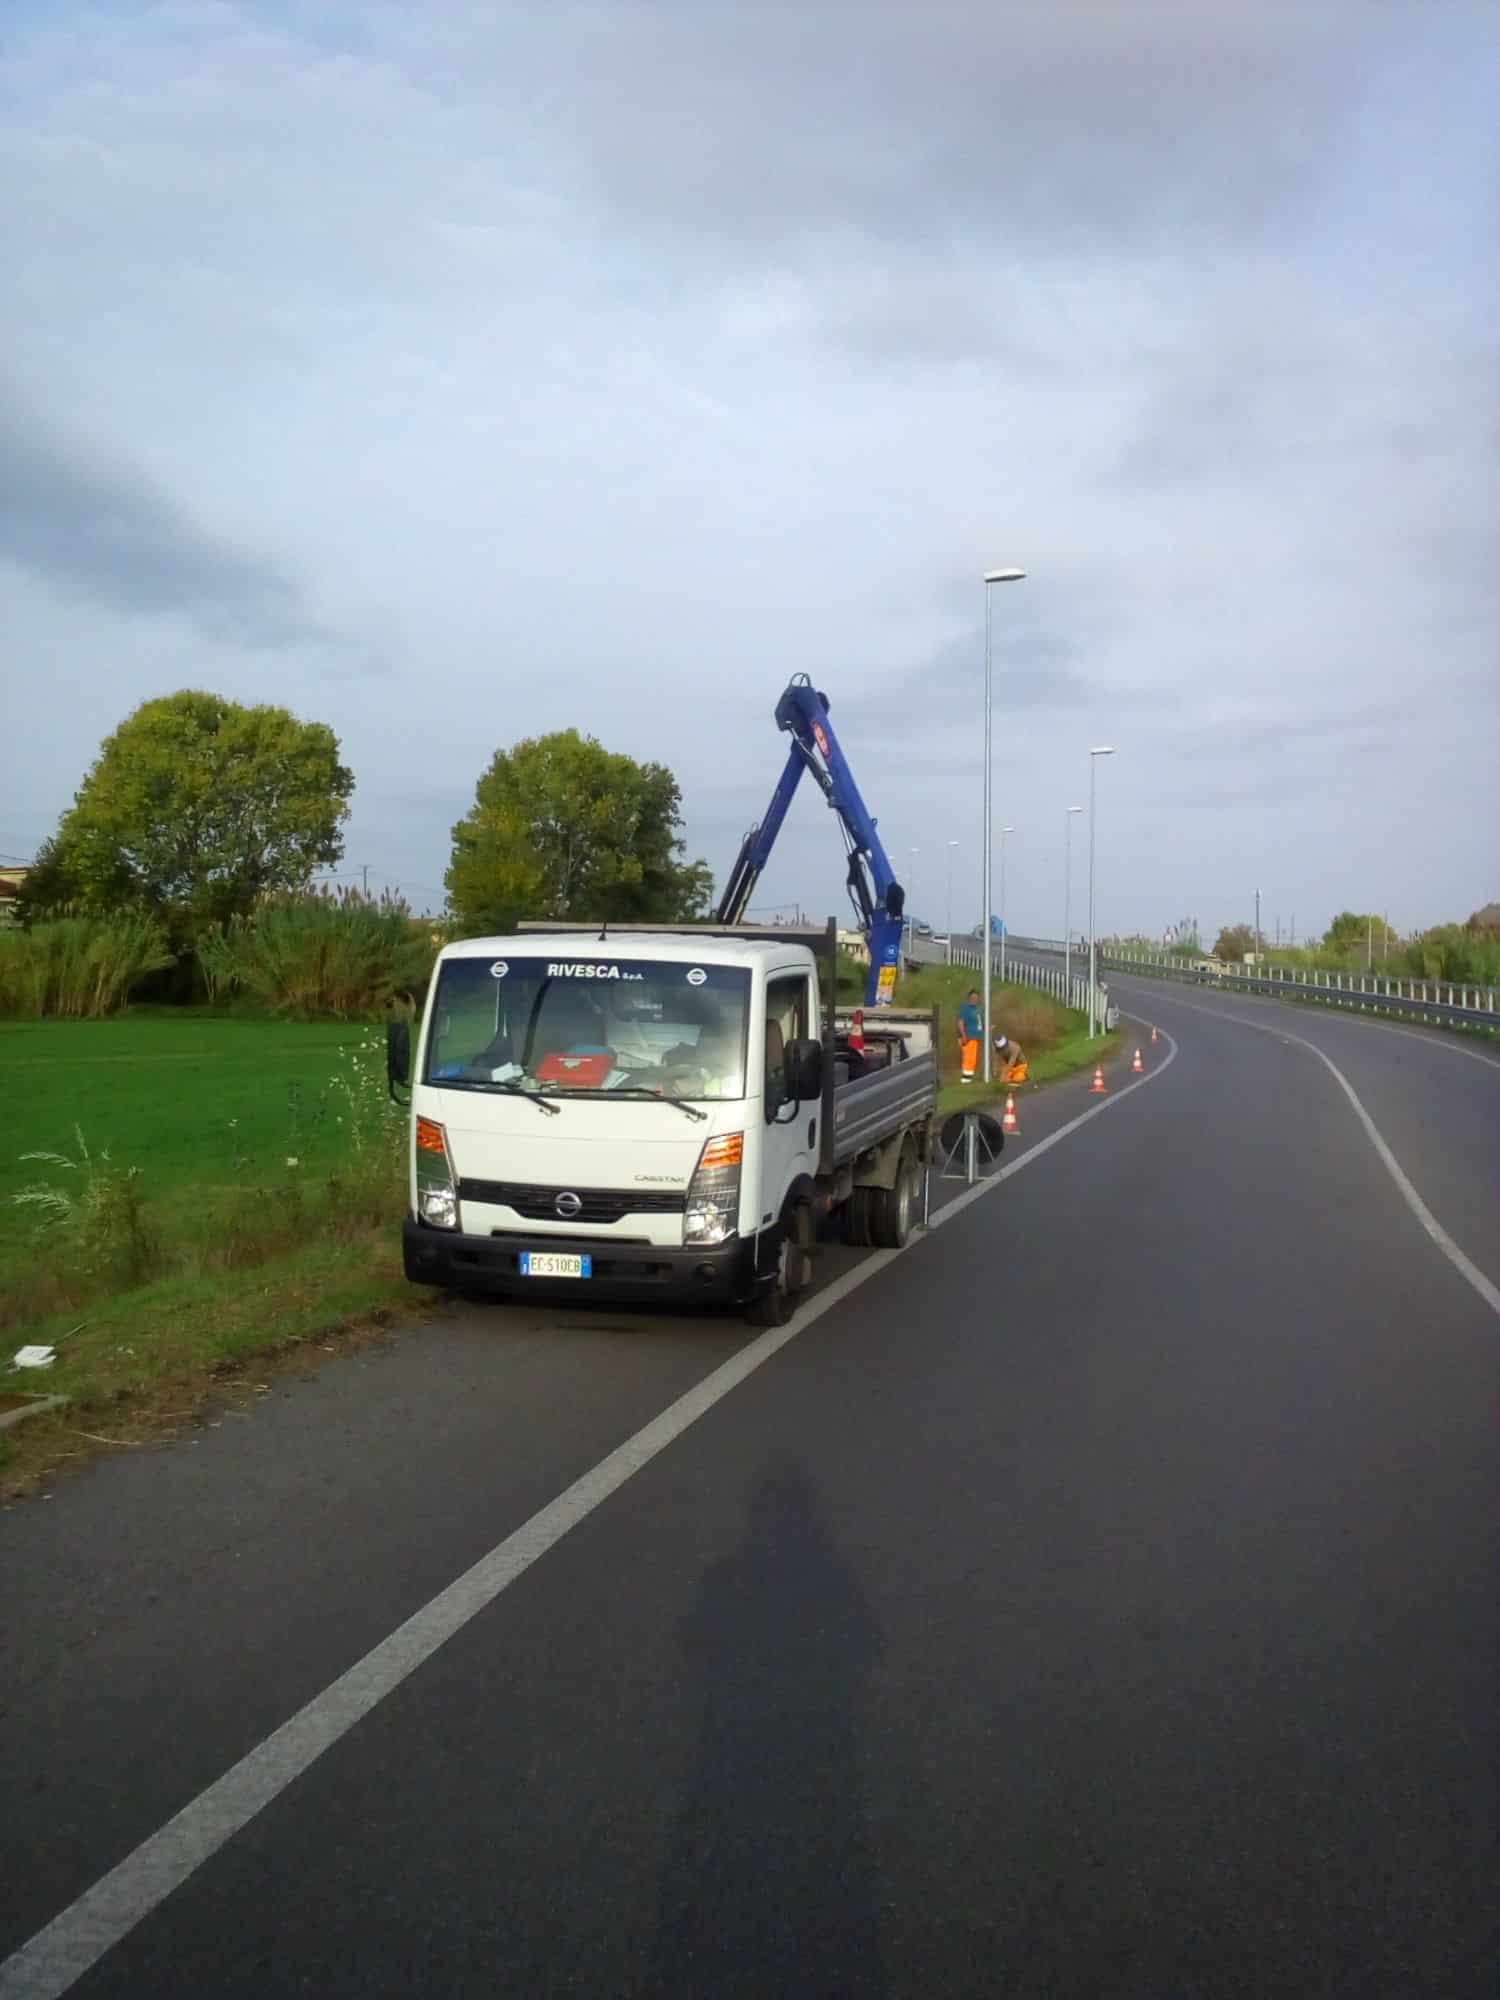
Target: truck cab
[647, 1114]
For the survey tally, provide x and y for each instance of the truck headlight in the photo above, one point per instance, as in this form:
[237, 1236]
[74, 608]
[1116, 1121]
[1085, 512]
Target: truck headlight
[439, 1207]
[713, 1196]
[437, 1187]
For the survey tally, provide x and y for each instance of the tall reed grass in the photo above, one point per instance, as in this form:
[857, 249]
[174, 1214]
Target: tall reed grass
[308, 956]
[77, 966]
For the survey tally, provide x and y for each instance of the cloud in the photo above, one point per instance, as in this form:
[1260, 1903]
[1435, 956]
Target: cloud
[101, 535]
[777, 129]
[1031, 668]
[611, 363]
[1356, 728]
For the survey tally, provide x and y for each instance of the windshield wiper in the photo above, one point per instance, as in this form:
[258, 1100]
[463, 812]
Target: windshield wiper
[493, 1090]
[633, 1090]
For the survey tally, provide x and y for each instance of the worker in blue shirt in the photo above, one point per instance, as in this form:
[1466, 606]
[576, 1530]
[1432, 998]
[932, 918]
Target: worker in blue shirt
[970, 1030]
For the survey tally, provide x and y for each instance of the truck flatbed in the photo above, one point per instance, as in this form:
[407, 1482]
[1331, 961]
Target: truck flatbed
[868, 1109]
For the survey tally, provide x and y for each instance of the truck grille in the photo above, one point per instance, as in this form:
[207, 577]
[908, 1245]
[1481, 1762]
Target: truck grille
[596, 1205]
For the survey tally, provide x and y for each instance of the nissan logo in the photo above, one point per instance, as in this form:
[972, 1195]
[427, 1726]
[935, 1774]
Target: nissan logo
[568, 1206]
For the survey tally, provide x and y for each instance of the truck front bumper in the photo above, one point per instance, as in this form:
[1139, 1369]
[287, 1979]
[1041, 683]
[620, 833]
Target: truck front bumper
[723, 1273]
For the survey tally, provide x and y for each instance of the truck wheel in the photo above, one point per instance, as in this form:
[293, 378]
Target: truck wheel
[856, 1214]
[892, 1210]
[774, 1304]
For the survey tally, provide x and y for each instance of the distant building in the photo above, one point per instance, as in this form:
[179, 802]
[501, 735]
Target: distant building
[10, 888]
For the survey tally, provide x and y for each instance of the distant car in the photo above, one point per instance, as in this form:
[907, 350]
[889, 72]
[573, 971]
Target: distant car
[923, 930]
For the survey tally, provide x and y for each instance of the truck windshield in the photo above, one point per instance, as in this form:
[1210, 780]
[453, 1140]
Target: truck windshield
[589, 1024]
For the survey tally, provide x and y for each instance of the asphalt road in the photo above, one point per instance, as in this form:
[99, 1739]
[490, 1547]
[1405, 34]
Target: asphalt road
[1098, 1599]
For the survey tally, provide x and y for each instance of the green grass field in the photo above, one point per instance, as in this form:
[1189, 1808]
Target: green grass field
[262, 1204]
[184, 1097]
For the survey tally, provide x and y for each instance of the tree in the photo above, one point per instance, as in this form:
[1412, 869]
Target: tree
[562, 827]
[1350, 932]
[1235, 941]
[46, 887]
[196, 806]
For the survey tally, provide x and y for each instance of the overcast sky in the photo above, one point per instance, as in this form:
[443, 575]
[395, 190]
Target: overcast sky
[458, 372]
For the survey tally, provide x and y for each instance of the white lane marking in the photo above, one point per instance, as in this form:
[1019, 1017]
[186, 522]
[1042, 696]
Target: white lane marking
[79, 1936]
[1460, 1261]
[1434, 1038]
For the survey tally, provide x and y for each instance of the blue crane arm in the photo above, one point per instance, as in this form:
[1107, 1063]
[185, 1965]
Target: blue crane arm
[878, 898]
[755, 849]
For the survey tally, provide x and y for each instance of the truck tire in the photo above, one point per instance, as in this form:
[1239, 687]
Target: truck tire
[893, 1209]
[856, 1217]
[776, 1301]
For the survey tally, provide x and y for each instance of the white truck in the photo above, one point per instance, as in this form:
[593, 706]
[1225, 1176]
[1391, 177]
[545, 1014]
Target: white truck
[655, 1113]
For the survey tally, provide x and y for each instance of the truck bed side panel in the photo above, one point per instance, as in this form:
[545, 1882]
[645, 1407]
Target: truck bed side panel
[871, 1108]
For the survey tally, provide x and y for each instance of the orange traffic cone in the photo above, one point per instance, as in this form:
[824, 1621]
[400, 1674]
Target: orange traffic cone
[857, 1030]
[1096, 1088]
[1008, 1124]
[1137, 1065]
[1153, 1034]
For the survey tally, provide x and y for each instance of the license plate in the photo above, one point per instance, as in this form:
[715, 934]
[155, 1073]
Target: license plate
[555, 1264]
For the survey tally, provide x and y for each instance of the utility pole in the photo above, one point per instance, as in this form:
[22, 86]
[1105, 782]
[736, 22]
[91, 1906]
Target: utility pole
[1257, 925]
[1004, 912]
[1100, 750]
[1068, 904]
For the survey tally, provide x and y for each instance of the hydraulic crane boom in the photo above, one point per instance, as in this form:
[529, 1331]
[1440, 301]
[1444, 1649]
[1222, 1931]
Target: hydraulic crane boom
[878, 898]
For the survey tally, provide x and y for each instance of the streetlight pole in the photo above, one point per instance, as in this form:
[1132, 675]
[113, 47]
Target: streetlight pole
[1068, 905]
[1004, 907]
[990, 576]
[951, 845]
[911, 903]
[1103, 750]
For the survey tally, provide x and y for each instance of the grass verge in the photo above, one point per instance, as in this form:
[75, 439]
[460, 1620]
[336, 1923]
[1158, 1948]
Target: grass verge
[216, 1191]
[145, 1365]
[1056, 1038]
[1075, 1052]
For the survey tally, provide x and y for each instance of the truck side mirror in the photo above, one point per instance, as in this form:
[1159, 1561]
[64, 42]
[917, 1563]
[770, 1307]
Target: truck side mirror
[804, 1071]
[397, 1054]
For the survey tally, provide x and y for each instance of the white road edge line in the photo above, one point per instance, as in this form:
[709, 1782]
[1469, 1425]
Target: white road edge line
[79, 1936]
[973, 1194]
[1459, 1259]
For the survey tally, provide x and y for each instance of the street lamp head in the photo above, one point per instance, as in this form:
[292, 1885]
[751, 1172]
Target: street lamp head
[955, 843]
[1007, 829]
[1103, 750]
[1004, 575]
[1075, 809]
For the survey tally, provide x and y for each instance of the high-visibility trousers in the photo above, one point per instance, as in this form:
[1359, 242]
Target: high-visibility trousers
[970, 1058]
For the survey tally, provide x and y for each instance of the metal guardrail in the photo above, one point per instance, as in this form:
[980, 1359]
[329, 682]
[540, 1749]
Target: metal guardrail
[1442, 1003]
[968, 952]
[1466, 1006]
